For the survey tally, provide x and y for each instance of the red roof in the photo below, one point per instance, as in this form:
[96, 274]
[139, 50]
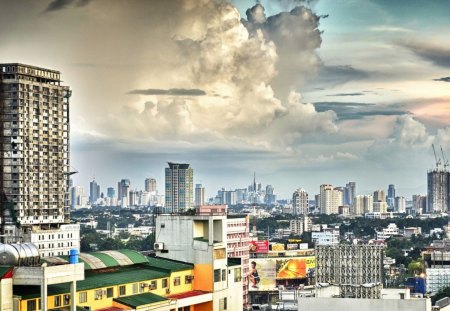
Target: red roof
[187, 294]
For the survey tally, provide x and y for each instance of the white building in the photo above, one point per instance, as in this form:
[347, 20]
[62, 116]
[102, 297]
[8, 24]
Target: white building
[330, 199]
[362, 204]
[329, 236]
[300, 202]
[386, 233]
[400, 204]
[300, 225]
[56, 242]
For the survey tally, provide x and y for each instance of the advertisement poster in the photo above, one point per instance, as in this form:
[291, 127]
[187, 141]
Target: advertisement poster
[259, 246]
[264, 272]
[277, 247]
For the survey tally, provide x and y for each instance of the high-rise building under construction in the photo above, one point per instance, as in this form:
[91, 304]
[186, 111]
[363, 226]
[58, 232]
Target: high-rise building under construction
[438, 194]
[34, 159]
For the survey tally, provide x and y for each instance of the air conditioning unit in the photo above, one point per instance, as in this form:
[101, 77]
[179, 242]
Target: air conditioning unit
[158, 246]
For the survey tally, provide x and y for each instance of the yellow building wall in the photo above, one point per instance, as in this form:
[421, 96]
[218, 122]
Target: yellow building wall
[105, 302]
[203, 277]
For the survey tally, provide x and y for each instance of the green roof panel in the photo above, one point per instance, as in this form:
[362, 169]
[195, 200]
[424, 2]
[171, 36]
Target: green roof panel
[135, 301]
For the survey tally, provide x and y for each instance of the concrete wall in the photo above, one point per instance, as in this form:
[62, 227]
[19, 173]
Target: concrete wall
[351, 304]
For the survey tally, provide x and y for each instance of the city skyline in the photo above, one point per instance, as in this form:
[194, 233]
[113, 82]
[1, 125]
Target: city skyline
[370, 94]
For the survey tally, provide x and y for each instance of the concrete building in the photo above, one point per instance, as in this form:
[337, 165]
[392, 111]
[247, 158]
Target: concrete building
[76, 195]
[349, 193]
[150, 185]
[179, 187]
[199, 195]
[330, 199]
[110, 192]
[419, 204]
[379, 196]
[391, 196]
[123, 189]
[94, 192]
[300, 225]
[400, 204]
[356, 269]
[238, 242]
[35, 162]
[202, 240]
[386, 233]
[270, 196]
[362, 204]
[438, 190]
[380, 207]
[328, 236]
[300, 202]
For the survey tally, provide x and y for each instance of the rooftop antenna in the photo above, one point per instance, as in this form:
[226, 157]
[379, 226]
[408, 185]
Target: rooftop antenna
[438, 161]
[444, 160]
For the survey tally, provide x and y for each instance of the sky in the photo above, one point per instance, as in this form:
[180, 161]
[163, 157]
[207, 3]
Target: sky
[300, 92]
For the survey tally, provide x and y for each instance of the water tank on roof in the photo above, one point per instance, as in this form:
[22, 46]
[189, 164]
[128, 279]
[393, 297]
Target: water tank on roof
[24, 254]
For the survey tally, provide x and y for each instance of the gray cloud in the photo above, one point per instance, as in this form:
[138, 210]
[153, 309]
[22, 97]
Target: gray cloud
[330, 76]
[172, 92]
[347, 94]
[354, 111]
[443, 79]
[437, 54]
[57, 5]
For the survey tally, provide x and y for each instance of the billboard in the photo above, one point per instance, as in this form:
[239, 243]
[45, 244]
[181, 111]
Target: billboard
[277, 247]
[259, 246]
[264, 272]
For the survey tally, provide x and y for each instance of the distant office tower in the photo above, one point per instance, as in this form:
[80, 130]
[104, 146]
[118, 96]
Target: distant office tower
[123, 189]
[300, 225]
[400, 204]
[133, 198]
[358, 270]
[391, 196]
[199, 195]
[419, 204]
[241, 195]
[94, 192]
[300, 202]
[179, 187]
[362, 204]
[438, 191]
[35, 159]
[379, 196]
[330, 199]
[110, 192]
[76, 195]
[270, 197]
[150, 185]
[349, 193]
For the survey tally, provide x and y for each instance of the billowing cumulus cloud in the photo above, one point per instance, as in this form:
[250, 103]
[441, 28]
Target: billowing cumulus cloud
[410, 132]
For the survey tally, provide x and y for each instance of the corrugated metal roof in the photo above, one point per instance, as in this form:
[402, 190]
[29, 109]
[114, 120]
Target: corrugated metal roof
[135, 301]
[170, 265]
[95, 279]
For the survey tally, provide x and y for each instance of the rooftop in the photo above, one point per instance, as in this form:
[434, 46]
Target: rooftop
[135, 301]
[168, 264]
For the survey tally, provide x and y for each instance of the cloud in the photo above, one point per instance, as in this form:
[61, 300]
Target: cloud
[443, 79]
[435, 53]
[296, 36]
[347, 94]
[354, 111]
[57, 5]
[172, 92]
[330, 76]
[409, 132]
[386, 28]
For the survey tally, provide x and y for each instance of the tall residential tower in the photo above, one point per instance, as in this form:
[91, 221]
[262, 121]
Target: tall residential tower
[34, 158]
[179, 187]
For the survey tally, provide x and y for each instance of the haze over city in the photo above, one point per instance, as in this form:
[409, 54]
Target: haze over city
[302, 92]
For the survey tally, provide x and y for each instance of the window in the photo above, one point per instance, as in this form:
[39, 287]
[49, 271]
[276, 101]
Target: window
[176, 281]
[223, 304]
[188, 279]
[164, 283]
[82, 297]
[98, 294]
[109, 292]
[122, 290]
[153, 285]
[224, 275]
[66, 299]
[237, 274]
[135, 288]
[217, 275]
[31, 305]
[57, 301]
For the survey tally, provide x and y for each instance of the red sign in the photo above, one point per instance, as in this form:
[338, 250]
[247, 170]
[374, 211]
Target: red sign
[259, 246]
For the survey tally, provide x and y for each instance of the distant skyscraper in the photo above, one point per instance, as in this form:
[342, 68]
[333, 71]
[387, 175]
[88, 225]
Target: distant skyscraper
[123, 189]
[330, 199]
[199, 195]
[150, 185]
[76, 194]
[362, 204]
[391, 196]
[419, 204]
[379, 196]
[438, 191]
[349, 193]
[110, 192]
[179, 187]
[400, 204]
[94, 192]
[300, 202]
[270, 197]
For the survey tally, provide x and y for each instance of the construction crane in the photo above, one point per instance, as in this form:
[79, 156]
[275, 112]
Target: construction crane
[438, 161]
[444, 160]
